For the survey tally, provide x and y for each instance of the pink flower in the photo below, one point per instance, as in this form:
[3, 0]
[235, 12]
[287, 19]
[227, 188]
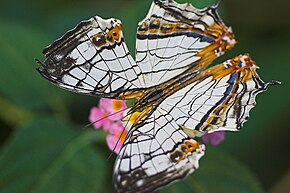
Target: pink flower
[214, 138]
[100, 119]
[113, 107]
[116, 137]
[108, 115]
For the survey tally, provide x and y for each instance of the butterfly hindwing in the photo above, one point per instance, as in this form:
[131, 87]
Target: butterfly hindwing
[156, 152]
[220, 98]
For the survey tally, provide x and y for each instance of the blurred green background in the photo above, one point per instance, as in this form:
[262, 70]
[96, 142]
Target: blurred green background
[43, 147]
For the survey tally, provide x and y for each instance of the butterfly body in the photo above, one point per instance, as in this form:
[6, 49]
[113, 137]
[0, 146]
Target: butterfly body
[177, 97]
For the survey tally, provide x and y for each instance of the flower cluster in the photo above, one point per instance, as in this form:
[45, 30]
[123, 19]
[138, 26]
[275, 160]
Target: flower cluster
[108, 115]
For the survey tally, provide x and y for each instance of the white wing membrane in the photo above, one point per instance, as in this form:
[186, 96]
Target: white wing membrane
[220, 99]
[92, 59]
[170, 38]
[155, 153]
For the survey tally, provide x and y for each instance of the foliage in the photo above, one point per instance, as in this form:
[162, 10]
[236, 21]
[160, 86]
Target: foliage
[48, 155]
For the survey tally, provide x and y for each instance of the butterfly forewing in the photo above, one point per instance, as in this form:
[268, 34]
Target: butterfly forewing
[174, 37]
[92, 59]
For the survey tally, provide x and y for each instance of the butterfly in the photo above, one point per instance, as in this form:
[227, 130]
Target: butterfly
[178, 97]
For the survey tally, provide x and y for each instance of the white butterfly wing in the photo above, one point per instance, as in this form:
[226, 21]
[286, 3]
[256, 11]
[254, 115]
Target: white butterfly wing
[156, 152]
[174, 37]
[92, 59]
[220, 98]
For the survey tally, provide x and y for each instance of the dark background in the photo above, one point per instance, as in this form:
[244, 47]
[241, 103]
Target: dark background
[43, 146]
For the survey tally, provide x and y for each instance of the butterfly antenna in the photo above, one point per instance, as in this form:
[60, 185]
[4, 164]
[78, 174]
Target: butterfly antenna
[112, 152]
[90, 124]
[216, 6]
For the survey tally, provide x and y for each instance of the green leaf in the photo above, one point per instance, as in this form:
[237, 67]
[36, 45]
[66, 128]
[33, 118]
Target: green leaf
[12, 115]
[218, 173]
[20, 82]
[49, 156]
[282, 185]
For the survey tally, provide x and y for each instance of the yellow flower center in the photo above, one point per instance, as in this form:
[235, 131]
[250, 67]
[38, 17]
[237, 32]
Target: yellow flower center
[104, 114]
[117, 105]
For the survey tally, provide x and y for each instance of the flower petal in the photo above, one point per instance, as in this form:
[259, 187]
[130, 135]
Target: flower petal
[112, 141]
[107, 124]
[116, 127]
[111, 106]
[105, 104]
[214, 138]
[95, 115]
